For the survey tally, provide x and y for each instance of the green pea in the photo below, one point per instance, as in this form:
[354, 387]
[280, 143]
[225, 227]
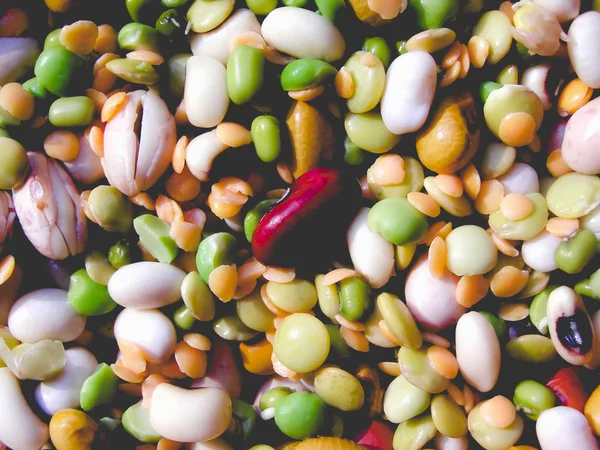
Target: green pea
[531, 348]
[306, 73]
[111, 209]
[261, 7]
[416, 368]
[254, 314]
[55, 69]
[216, 250]
[298, 332]
[434, 13]
[509, 75]
[34, 87]
[354, 298]
[184, 318]
[137, 36]
[378, 47]
[399, 320]
[53, 39]
[14, 163]
[136, 421]
[197, 297]
[133, 71]
[4, 133]
[414, 433]
[231, 328]
[329, 8]
[353, 155]
[173, 3]
[87, 297]
[584, 288]
[538, 310]
[206, 15]
[120, 254]
[338, 344]
[273, 396]
[300, 415]
[176, 65]
[498, 324]
[266, 137]
[155, 236]
[294, 297]
[397, 221]
[295, 3]
[245, 73]
[511, 98]
[368, 132]
[168, 23]
[573, 255]
[7, 119]
[254, 215]
[71, 112]
[403, 400]
[245, 415]
[99, 388]
[144, 11]
[486, 88]
[533, 398]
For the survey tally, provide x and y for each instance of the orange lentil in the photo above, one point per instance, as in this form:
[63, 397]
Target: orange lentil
[124, 373]
[148, 386]
[471, 181]
[99, 99]
[257, 357]
[186, 235]
[556, 165]
[436, 257]
[441, 229]
[388, 170]
[183, 187]
[354, 326]
[7, 268]
[198, 341]
[469, 398]
[171, 369]
[471, 289]
[435, 339]
[508, 282]
[132, 356]
[191, 361]
[17, 101]
[146, 56]
[337, 275]
[250, 270]
[516, 206]
[233, 134]
[106, 42]
[517, 129]
[355, 339]
[344, 83]
[221, 209]
[144, 200]
[102, 61]
[222, 281]
[285, 173]
[490, 196]
[457, 394]
[306, 95]
[282, 370]
[168, 209]
[178, 161]
[62, 145]
[499, 412]
[504, 246]
[167, 444]
[443, 361]
[113, 105]
[104, 80]
[279, 274]
[391, 368]
[562, 227]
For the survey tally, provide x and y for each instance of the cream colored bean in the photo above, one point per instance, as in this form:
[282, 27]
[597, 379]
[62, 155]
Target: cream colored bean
[205, 97]
[584, 46]
[579, 148]
[149, 329]
[63, 391]
[146, 285]
[520, 179]
[45, 314]
[184, 415]
[409, 89]
[303, 34]
[215, 43]
[562, 427]
[477, 351]
[371, 254]
[591, 221]
[538, 253]
[201, 152]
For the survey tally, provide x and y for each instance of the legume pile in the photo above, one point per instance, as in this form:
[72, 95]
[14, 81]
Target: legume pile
[313, 226]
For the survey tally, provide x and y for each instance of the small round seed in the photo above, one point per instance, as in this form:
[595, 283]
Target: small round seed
[222, 281]
[499, 412]
[562, 227]
[471, 289]
[516, 206]
[443, 361]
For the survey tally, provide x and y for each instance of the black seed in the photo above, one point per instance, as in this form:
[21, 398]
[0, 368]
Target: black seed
[575, 332]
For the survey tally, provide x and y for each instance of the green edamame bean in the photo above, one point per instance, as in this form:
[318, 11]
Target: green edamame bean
[329, 8]
[397, 221]
[71, 112]
[137, 36]
[184, 318]
[121, 254]
[136, 421]
[143, 11]
[486, 88]
[414, 433]
[173, 3]
[87, 297]
[214, 251]
[306, 73]
[368, 132]
[261, 7]
[498, 324]
[176, 65]
[401, 47]
[273, 396]
[14, 163]
[231, 328]
[99, 388]
[533, 398]
[300, 415]
[53, 39]
[111, 209]
[133, 71]
[337, 342]
[434, 13]
[198, 297]
[245, 73]
[169, 22]
[155, 236]
[55, 69]
[34, 87]
[266, 137]
[245, 415]
[378, 47]
[573, 255]
[354, 298]
[353, 155]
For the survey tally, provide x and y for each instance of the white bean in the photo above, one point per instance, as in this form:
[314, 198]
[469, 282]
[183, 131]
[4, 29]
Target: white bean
[201, 152]
[580, 144]
[205, 97]
[591, 221]
[146, 285]
[409, 89]
[372, 255]
[447, 443]
[563, 10]
[45, 314]
[63, 391]
[563, 428]
[215, 444]
[150, 329]
[584, 48]
[520, 179]
[303, 34]
[215, 43]
[196, 415]
[477, 351]
[538, 253]
[86, 167]
[20, 429]
[435, 307]
[534, 78]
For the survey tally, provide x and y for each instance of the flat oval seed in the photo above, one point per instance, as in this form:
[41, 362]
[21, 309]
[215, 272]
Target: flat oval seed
[498, 412]
[516, 206]
[443, 361]
[508, 281]
[223, 281]
[424, 203]
[471, 289]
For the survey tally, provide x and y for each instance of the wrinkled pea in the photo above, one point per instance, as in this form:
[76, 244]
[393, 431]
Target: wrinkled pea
[297, 296]
[368, 132]
[495, 28]
[300, 415]
[414, 433]
[133, 71]
[306, 73]
[457, 206]
[266, 136]
[354, 296]
[399, 321]
[572, 255]
[413, 181]
[14, 163]
[245, 73]
[176, 65]
[273, 396]
[155, 235]
[448, 418]
[353, 155]
[434, 13]
[492, 438]
[368, 75]
[533, 398]
[99, 388]
[339, 389]
[337, 342]
[328, 298]
[522, 229]
[198, 297]
[403, 400]
[417, 369]
[111, 209]
[471, 251]
[378, 47]
[136, 421]
[71, 112]
[231, 328]
[206, 15]
[254, 314]
[531, 348]
[216, 250]
[55, 69]
[573, 195]
[87, 297]
[137, 36]
[397, 221]
[121, 254]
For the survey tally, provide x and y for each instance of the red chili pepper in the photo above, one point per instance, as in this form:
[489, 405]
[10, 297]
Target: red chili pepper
[377, 437]
[567, 386]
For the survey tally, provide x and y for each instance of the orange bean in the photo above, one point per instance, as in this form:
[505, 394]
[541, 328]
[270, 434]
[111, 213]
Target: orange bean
[508, 282]
[424, 203]
[574, 95]
[479, 49]
[556, 165]
[451, 75]
[562, 227]
[62, 145]
[222, 281]
[167, 444]
[490, 196]
[17, 101]
[7, 268]
[471, 289]
[516, 206]
[106, 42]
[437, 257]
[344, 83]
[257, 358]
[451, 56]
[443, 361]
[465, 62]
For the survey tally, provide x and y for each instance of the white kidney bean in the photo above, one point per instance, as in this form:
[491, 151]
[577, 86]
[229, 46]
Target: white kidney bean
[591, 221]
[303, 34]
[447, 443]
[584, 48]
[150, 329]
[87, 166]
[195, 415]
[63, 391]
[563, 10]
[20, 429]
[45, 314]
[434, 307]
[595, 362]
[538, 253]
[477, 351]
[215, 444]
[201, 152]
[563, 428]
[275, 382]
[580, 148]
[215, 43]
[534, 78]
[146, 285]
[372, 255]
[205, 97]
[409, 90]
[520, 179]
